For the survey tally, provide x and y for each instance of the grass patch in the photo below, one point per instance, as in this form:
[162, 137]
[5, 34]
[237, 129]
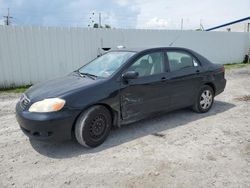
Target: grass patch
[235, 65]
[20, 89]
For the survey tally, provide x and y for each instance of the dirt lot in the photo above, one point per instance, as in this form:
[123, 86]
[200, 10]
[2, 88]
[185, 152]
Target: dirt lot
[179, 149]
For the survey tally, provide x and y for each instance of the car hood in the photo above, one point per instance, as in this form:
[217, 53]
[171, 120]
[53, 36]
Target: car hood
[60, 86]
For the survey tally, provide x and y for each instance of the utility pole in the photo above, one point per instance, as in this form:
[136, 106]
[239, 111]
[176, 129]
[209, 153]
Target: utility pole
[201, 26]
[182, 24]
[100, 19]
[7, 18]
[91, 19]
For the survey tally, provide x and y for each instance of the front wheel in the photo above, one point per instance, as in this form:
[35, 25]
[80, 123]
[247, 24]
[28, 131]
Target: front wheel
[204, 100]
[93, 126]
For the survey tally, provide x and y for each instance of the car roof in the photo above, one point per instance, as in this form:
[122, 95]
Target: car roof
[201, 58]
[147, 49]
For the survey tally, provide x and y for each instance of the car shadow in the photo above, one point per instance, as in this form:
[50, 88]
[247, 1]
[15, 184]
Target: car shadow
[128, 132]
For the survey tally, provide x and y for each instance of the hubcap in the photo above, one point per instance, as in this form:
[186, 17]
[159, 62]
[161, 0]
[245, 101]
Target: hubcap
[97, 127]
[206, 99]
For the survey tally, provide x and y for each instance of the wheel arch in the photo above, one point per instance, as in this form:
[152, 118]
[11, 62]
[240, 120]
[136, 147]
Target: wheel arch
[211, 84]
[114, 115]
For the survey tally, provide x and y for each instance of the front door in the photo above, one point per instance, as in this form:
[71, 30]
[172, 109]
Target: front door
[146, 94]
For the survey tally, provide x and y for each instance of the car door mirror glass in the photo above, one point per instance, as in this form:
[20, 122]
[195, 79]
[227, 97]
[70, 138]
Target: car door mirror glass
[130, 75]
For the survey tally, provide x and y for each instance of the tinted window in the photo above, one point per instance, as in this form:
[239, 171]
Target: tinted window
[180, 60]
[150, 64]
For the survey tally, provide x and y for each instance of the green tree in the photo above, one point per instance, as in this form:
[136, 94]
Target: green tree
[96, 25]
[107, 26]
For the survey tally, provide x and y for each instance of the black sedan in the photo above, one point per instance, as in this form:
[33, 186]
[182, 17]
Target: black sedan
[119, 87]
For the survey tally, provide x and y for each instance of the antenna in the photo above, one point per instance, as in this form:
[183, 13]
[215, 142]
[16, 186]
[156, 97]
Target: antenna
[175, 39]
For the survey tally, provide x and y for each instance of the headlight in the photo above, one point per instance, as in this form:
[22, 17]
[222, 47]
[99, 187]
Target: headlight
[47, 105]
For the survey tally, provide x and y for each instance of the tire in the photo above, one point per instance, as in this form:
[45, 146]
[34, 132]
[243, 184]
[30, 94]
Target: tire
[93, 126]
[204, 100]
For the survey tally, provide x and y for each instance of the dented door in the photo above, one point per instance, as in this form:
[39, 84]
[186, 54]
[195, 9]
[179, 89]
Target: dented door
[143, 96]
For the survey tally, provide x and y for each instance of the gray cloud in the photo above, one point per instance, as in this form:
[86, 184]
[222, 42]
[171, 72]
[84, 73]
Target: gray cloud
[70, 13]
[158, 14]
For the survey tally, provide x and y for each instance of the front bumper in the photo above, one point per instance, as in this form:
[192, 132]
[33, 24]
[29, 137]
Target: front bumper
[46, 126]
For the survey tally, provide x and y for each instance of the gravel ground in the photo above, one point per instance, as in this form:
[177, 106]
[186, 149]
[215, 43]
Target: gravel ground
[179, 149]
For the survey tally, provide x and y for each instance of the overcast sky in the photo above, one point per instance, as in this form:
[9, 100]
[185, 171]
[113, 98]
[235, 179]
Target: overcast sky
[153, 14]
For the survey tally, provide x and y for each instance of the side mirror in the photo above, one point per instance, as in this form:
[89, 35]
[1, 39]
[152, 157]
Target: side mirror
[130, 75]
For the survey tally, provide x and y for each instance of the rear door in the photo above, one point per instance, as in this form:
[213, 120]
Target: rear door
[184, 77]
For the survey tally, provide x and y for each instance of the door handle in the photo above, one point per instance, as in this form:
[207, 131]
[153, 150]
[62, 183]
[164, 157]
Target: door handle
[163, 79]
[197, 71]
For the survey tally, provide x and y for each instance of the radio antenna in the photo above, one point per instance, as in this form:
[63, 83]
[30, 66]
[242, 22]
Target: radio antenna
[175, 39]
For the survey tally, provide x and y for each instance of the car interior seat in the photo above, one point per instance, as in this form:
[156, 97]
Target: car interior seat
[144, 68]
[174, 64]
[157, 66]
[186, 62]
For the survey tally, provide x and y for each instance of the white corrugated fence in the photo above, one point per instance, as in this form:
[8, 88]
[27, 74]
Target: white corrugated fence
[32, 54]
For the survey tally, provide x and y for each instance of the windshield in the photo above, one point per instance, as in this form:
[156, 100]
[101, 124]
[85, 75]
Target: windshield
[106, 64]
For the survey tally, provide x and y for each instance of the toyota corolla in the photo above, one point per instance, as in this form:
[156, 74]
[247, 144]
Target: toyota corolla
[119, 87]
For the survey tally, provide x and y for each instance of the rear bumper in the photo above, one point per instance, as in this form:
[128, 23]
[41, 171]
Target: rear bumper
[46, 126]
[220, 86]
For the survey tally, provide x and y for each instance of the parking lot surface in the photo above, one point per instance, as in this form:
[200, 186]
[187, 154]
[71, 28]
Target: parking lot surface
[179, 149]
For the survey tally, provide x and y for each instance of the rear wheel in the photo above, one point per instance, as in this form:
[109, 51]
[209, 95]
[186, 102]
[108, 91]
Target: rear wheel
[204, 100]
[93, 126]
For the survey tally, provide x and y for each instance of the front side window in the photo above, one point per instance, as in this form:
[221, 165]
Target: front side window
[180, 60]
[150, 64]
[106, 64]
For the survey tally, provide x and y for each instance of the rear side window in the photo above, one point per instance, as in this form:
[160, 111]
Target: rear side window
[180, 60]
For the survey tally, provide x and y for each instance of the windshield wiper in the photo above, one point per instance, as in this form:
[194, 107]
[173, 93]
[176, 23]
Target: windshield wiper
[77, 72]
[92, 76]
